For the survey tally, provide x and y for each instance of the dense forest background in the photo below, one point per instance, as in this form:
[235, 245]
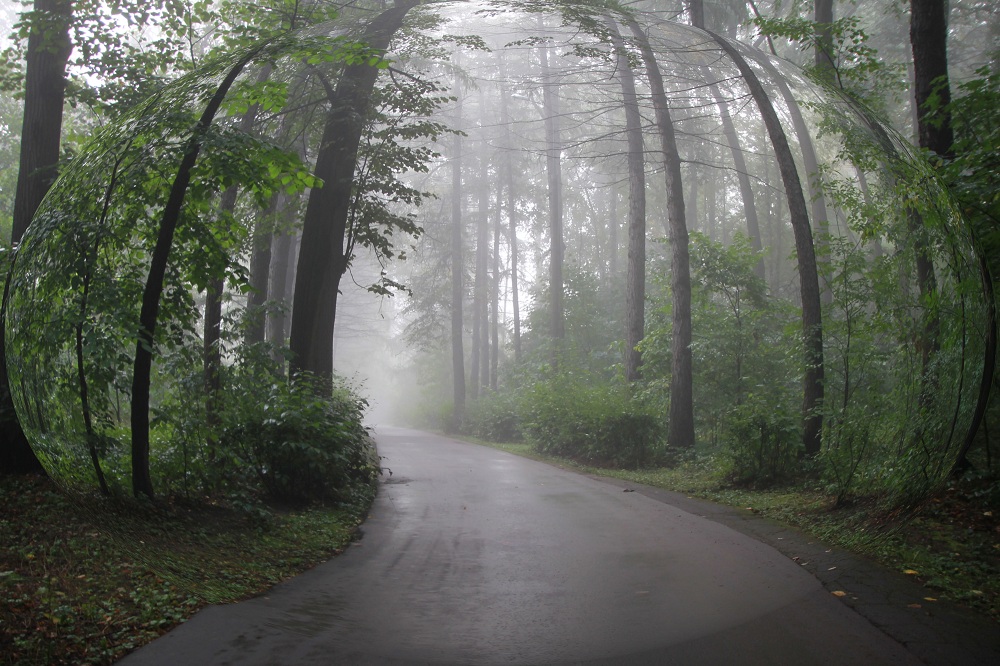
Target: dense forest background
[612, 232]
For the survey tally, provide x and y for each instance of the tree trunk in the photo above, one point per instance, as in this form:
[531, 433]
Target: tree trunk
[322, 258]
[635, 280]
[495, 296]
[929, 42]
[680, 426]
[282, 261]
[512, 217]
[812, 330]
[813, 189]
[553, 171]
[457, 269]
[142, 484]
[49, 47]
[823, 53]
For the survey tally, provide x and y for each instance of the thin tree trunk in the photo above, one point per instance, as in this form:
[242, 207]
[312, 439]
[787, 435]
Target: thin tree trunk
[814, 188]
[495, 296]
[680, 426]
[512, 217]
[142, 484]
[812, 330]
[635, 280]
[457, 268]
[553, 171]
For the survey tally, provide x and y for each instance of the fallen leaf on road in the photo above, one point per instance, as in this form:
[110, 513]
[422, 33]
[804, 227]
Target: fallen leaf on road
[911, 572]
[839, 593]
[929, 599]
[914, 606]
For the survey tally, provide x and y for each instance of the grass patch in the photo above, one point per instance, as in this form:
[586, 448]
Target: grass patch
[951, 542]
[74, 593]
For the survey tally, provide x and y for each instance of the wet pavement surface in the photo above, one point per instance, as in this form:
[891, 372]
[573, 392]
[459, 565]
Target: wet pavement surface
[474, 556]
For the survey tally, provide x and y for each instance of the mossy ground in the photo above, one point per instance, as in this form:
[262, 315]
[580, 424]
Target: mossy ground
[86, 584]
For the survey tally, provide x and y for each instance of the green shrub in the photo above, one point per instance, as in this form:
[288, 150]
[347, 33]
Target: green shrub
[302, 441]
[592, 423]
[494, 417]
[762, 442]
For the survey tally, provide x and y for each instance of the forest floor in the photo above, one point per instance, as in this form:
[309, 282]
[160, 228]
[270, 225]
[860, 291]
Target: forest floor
[950, 543]
[82, 586]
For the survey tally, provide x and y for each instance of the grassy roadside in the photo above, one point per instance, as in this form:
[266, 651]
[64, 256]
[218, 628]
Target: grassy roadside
[951, 543]
[74, 593]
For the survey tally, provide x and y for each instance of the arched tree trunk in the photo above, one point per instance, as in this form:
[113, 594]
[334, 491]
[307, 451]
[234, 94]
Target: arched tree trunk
[680, 426]
[142, 483]
[812, 328]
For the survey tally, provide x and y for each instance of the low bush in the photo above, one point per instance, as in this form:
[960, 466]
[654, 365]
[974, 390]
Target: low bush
[302, 440]
[494, 417]
[763, 442]
[591, 423]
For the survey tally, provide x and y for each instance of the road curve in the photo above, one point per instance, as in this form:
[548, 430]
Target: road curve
[475, 556]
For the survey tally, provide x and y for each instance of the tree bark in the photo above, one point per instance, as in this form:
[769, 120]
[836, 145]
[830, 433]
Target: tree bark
[929, 43]
[457, 269]
[512, 217]
[49, 47]
[635, 280]
[680, 426]
[553, 171]
[322, 258]
[823, 52]
[812, 330]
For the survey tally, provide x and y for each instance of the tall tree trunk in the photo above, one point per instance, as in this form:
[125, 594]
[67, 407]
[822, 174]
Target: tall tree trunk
[929, 43]
[823, 53]
[680, 426]
[635, 280]
[508, 166]
[495, 295]
[49, 47]
[322, 258]
[142, 483]
[478, 373]
[457, 269]
[553, 171]
[696, 11]
[812, 327]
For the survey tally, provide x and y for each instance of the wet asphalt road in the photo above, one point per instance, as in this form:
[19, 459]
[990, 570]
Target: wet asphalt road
[474, 556]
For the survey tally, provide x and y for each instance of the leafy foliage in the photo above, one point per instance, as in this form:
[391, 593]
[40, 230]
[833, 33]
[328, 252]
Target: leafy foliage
[595, 423]
[301, 443]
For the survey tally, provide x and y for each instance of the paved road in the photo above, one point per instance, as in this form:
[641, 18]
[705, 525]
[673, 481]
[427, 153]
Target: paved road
[475, 556]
